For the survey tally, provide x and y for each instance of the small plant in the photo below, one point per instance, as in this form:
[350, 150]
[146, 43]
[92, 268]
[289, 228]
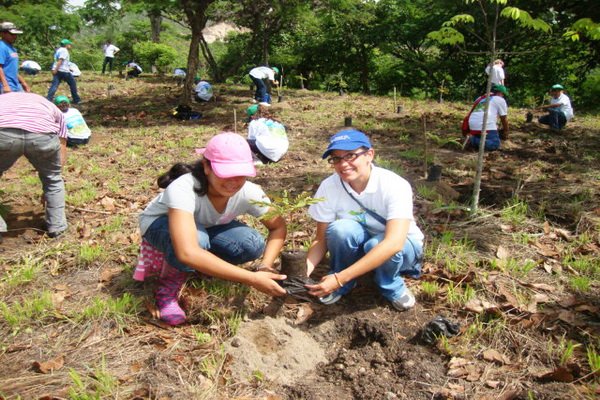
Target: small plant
[515, 212]
[118, 309]
[97, 385]
[565, 350]
[430, 289]
[292, 209]
[89, 253]
[593, 360]
[24, 272]
[233, 323]
[36, 307]
[518, 267]
[580, 284]
[427, 192]
[458, 297]
[258, 375]
[202, 337]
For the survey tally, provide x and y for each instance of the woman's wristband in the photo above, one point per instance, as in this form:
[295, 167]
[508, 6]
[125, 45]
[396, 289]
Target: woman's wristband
[337, 279]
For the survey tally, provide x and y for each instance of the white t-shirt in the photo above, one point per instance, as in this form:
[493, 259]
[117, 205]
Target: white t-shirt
[110, 50]
[204, 90]
[62, 53]
[180, 195]
[565, 105]
[263, 73]
[77, 128]
[498, 107]
[497, 73]
[134, 65]
[270, 136]
[387, 194]
[31, 64]
[74, 69]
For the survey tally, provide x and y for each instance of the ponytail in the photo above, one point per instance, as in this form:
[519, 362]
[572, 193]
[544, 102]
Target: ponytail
[178, 169]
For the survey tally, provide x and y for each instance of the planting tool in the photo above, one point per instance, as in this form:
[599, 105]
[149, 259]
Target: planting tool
[279, 96]
[234, 121]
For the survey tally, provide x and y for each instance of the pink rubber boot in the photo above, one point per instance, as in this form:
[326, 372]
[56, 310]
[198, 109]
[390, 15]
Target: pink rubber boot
[169, 284]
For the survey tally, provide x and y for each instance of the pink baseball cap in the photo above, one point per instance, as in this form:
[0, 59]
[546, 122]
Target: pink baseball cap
[229, 155]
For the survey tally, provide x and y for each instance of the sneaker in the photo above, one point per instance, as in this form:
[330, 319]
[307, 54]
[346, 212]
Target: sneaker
[330, 299]
[54, 235]
[264, 104]
[404, 302]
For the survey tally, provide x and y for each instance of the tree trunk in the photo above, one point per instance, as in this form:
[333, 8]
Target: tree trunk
[364, 71]
[265, 48]
[210, 60]
[195, 11]
[155, 23]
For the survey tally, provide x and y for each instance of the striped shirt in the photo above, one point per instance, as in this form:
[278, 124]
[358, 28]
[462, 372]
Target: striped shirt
[32, 113]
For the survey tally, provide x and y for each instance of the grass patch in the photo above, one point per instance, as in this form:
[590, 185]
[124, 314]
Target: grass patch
[24, 272]
[118, 309]
[515, 212]
[88, 253]
[36, 307]
[94, 385]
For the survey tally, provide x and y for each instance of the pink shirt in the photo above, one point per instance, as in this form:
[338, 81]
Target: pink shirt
[32, 113]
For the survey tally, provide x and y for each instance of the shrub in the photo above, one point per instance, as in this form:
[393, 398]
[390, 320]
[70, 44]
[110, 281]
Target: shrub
[158, 54]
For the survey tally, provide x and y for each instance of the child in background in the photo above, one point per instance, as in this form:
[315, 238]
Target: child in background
[192, 225]
[267, 138]
[78, 131]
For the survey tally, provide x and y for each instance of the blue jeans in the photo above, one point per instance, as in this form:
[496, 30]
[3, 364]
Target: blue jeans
[261, 90]
[234, 242]
[555, 118]
[43, 152]
[348, 241]
[492, 140]
[67, 77]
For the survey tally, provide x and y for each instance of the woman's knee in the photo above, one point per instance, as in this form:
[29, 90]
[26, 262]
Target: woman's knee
[341, 229]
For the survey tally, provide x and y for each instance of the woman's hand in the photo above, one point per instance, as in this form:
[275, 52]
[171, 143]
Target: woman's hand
[327, 285]
[265, 282]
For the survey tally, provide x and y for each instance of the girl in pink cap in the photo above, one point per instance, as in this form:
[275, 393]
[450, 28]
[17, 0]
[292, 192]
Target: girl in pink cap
[192, 225]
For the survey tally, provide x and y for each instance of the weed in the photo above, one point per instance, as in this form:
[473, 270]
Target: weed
[580, 284]
[565, 350]
[30, 180]
[209, 365]
[201, 337]
[458, 297]
[427, 192]
[515, 212]
[258, 375]
[97, 385]
[115, 224]
[388, 164]
[24, 272]
[119, 309]
[219, 288]
[89, 253]
[36, 307]
[518, 267]
[593, 359]
[233, 323]
[430, 289]
[82, 196]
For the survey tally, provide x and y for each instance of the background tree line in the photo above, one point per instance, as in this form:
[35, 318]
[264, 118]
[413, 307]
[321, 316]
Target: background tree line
[352, 45]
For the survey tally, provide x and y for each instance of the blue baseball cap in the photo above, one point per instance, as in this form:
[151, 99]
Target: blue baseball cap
[349, 139]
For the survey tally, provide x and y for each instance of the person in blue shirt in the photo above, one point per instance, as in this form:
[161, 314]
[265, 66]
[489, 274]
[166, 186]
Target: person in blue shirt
[10, 81]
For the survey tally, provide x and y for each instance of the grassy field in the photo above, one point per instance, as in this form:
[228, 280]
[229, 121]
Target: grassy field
[520, 276]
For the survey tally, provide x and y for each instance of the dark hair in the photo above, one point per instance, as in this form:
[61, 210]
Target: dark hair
[178, 169]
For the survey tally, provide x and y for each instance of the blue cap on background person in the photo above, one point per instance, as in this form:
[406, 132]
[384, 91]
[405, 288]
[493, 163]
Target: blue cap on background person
[65, 42]
[349, 139]
[558, 87]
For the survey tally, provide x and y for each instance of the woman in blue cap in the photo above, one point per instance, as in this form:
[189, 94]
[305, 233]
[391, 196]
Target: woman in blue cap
[366, 223]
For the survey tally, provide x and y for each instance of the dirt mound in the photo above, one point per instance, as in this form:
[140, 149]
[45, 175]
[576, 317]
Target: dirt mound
[273, 349]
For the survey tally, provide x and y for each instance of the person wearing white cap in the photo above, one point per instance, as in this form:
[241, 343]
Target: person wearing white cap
[559, 110]
[10, 81]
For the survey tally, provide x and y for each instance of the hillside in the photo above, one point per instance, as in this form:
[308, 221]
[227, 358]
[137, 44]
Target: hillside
[520, 277]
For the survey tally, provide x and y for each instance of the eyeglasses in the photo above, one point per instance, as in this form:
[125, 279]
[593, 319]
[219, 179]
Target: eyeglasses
[346, 157]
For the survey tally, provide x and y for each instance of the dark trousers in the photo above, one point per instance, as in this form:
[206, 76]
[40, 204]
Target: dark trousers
[261, 90]
[67, 77]
[109, 61]
[555, 118]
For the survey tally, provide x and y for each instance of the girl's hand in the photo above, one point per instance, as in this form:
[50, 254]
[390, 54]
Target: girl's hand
[265, 282]
[327, 285]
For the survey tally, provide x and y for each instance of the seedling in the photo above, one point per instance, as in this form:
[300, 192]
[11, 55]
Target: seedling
[430, 289]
